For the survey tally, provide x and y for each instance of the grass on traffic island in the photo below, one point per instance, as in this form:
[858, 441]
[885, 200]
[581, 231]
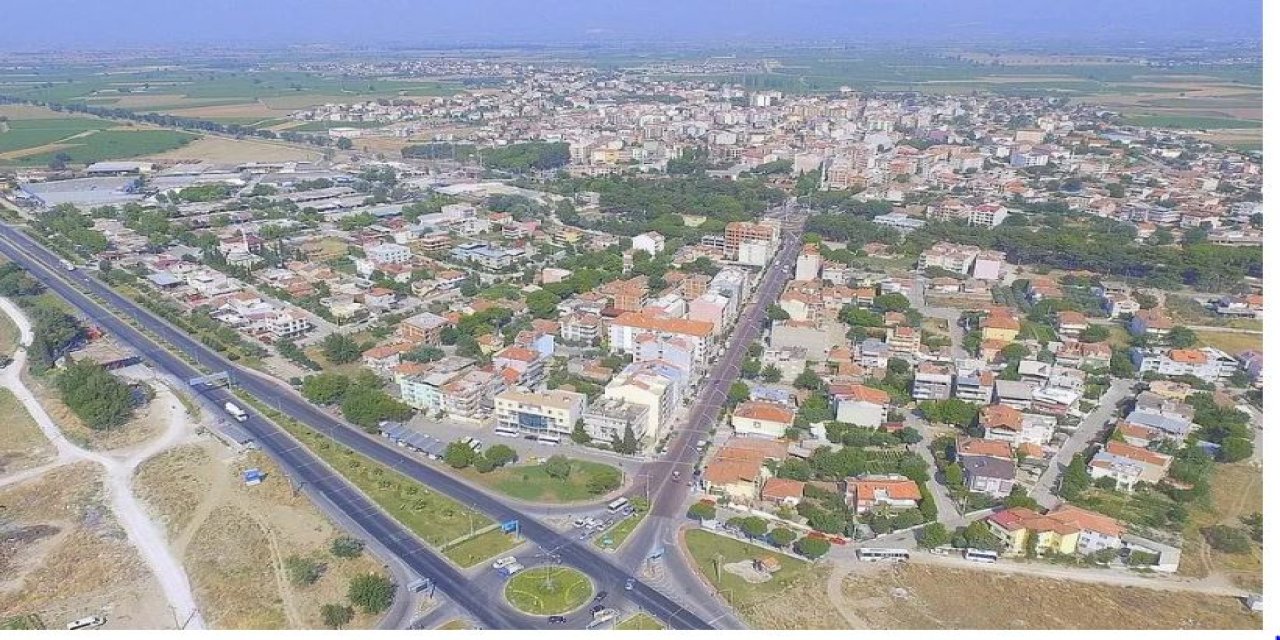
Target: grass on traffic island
[434, 518]
[640, 622]
[480, 548]
[531, 483]
[549, 590]
[711, 551]
[614, 536]
[455, 625]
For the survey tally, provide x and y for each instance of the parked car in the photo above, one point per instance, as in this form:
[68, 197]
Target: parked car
[556, 619]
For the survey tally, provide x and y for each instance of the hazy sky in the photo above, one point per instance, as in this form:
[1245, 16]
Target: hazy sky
[114, 23]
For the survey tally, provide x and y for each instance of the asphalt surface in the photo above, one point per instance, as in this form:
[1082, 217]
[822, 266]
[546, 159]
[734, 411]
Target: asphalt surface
[311, 473]
[669, 499]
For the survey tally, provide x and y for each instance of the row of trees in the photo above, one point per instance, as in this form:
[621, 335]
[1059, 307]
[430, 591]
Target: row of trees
[361, 399]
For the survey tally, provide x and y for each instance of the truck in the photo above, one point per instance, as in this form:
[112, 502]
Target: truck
[66, 264]
[236, 412]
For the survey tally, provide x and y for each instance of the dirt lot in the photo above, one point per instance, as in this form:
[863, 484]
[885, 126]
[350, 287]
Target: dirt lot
[146, 424]
[213, 149]
[803, 605]
[234, 539]
[22, 445]
[915, 596]
[1237, 489]
[63, 556]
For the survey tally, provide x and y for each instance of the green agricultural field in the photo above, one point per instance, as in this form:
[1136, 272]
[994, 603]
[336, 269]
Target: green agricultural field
[16, 135]
[1191, 122]
[542, 591]
[111, 145]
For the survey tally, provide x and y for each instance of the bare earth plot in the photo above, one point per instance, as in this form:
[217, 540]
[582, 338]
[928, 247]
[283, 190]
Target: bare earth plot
[64, 556]
[916, 596]
[22, 445]
[216, 149]
[1236, 489]
[234, 539]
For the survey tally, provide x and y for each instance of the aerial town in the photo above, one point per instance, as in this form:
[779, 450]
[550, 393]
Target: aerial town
[633, 348]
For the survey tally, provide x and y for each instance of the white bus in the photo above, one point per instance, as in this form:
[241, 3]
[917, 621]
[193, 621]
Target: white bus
[883, 555]
[618, 505]
[506, 432]
[979, 555]
[547, 438]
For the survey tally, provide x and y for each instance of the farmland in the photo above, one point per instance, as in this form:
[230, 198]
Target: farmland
[108, 145]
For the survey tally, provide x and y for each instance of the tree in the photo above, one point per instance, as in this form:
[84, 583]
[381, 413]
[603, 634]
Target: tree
[808, 380]
[344, 143]
[952, 411]
[1075, 479]
[96, 396]
[346, 547]
[702, 511]
[1226, 539]
[340, 349]
[1145, 300]
[629, 445]
[1018, 497]
[754, 527]
[933, 535]
[738, 392]
[771, 374]
[459, 455]
[325, 388]
[500, 454]
[371, 592]
[891, 302]
[781, 537]
[795, 469]
[367, 407]
[953, 476]
[302, 571]
[1121, 366]
[336, 616]
[579, 434]
[1180, 337]
[558, 467]
[977, 535]
[1095, 333]
[602, 481]
[909, 435]
[812, 547]
[1235, 449]
[776, 313]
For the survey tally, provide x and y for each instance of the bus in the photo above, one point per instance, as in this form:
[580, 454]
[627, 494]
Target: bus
[883, 555]
[547, 438]
[506, 432]
[979, 555]
[618, 505]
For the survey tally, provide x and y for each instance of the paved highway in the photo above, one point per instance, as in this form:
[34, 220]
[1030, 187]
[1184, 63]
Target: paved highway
[311, 472]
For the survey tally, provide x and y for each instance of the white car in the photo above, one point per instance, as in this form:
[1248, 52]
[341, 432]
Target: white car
[90, 622]
[501, 563]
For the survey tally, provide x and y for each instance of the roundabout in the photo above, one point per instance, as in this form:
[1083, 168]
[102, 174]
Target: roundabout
[548, 590]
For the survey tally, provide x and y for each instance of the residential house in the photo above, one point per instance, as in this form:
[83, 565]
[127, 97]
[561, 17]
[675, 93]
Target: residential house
[869, 492]
[762, 419]
[860, 405]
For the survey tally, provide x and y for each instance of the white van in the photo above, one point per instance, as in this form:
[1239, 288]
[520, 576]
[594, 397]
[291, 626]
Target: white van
[91, 622]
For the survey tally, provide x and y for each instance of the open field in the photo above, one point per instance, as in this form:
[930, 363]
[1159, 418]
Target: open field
[944, 598]
[1230, 341]
[65, 557]
[531, 482]
[18, 135]
[22, 445]
[113, 144]
[544, 591]
[228, 150]
[147, 421]
[709, 550]
[8, 335]
[1235, 491]
[234, 539]
[1192, 122]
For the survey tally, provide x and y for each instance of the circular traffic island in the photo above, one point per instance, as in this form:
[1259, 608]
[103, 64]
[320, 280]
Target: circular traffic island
[549, 590]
